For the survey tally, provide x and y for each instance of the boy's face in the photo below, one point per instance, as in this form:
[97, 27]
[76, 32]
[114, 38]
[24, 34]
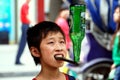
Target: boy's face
[53, 44]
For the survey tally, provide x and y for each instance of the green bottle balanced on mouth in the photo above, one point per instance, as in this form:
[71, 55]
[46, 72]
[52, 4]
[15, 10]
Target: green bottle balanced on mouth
[77, 28]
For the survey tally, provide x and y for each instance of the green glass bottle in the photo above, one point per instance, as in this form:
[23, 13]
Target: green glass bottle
[77, 28]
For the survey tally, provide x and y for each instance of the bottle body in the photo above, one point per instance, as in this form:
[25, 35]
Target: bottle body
[77, 27]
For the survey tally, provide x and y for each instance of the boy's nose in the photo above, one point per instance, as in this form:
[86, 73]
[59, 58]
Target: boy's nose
[58, 47]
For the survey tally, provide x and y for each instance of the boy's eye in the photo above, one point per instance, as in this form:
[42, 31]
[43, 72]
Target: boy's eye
[50, 42]
[62, 41]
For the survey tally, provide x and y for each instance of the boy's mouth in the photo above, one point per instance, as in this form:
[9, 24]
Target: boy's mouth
[61, 57]
[58, 56]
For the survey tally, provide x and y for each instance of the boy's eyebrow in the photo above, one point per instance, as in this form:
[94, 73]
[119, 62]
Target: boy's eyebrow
[53, 38]
[61, 37]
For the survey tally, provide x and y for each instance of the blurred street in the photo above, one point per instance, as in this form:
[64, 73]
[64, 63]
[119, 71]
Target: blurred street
[10, 71]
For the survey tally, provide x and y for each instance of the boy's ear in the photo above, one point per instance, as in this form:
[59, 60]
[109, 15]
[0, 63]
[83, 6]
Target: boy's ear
[35, 52]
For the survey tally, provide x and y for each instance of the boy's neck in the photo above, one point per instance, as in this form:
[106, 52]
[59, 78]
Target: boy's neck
[50, 74]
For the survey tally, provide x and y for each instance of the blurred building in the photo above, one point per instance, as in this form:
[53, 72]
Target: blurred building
[10, 24]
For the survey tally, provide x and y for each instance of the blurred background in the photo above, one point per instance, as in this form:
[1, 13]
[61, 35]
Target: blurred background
[10, 32]
[39, 10]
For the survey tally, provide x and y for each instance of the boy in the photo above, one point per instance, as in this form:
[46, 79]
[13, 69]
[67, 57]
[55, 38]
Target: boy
[46, 40]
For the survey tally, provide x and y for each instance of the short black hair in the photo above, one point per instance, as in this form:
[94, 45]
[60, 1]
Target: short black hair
[37, 33]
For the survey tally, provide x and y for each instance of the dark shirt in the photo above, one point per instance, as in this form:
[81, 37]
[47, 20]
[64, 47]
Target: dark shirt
[68, 77]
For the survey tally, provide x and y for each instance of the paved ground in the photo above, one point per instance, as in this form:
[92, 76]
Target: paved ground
[10, 71]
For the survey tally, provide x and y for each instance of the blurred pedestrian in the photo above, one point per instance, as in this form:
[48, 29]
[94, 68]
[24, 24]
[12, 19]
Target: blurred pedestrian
[116, 44]
[25, 25]
[46, 40]
[61, 20]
